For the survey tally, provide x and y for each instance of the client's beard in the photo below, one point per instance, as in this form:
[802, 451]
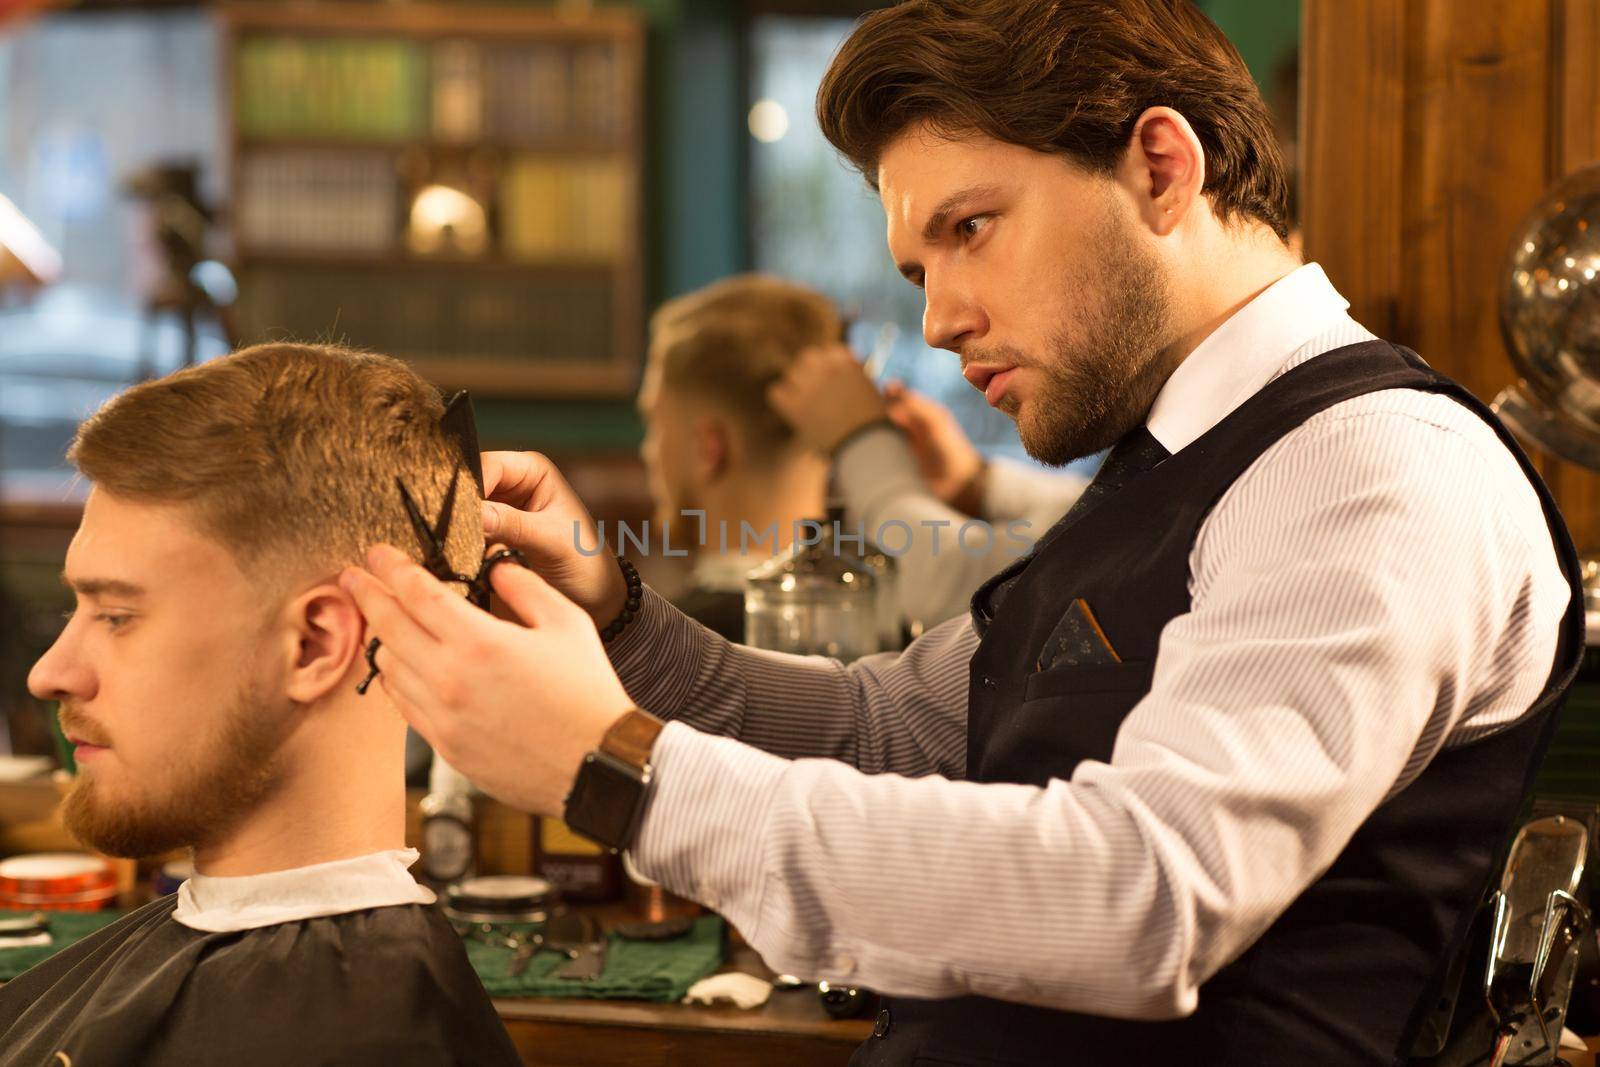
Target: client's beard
[1103, 375]
[206, 796]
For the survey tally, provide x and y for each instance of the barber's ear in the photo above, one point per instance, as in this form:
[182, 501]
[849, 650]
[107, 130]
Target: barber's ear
[327, 628]
[713, 447]
[1164, 168]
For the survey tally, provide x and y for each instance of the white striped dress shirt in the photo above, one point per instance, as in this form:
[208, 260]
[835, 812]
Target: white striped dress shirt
[1378, 584]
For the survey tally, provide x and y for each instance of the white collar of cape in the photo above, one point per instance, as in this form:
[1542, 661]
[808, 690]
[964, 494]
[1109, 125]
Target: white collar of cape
[249, 902]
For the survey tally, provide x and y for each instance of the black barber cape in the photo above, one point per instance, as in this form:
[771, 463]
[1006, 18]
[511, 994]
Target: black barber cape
[389, 986]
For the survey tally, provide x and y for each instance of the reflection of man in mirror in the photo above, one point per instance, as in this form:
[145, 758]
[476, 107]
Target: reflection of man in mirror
[208, 681]
[712, 442]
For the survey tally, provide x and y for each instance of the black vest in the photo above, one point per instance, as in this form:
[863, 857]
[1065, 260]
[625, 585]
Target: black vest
[1342, 978]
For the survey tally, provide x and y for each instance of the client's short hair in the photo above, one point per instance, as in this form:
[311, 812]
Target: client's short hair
[287, 454]
[730, 340]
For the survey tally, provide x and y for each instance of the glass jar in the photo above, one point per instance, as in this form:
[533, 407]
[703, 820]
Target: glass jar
[816, 599]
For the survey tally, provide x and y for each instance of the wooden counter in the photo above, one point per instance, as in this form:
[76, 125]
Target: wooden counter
[790, 1030]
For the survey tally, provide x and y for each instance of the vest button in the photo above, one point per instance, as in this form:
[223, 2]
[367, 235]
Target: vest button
[881, 1027]
[988, 682]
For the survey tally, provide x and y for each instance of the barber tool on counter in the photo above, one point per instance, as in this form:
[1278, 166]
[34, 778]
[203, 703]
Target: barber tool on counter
[524, 914]
[508, 911]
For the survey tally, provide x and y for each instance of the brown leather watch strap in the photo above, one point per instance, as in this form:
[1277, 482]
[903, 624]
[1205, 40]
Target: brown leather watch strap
[631, 738]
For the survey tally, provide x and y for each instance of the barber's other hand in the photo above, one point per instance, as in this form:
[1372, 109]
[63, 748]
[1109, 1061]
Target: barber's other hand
[946, 458]
[513, 707]
[826, 396]
[529, 506]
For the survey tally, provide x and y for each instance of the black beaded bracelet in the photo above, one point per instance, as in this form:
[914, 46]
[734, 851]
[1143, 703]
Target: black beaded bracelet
[630, 574]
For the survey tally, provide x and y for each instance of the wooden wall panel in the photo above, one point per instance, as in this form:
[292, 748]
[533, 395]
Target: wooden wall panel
[1475, 159]
[1351, 139]
[1429, 128]
[1575, 142]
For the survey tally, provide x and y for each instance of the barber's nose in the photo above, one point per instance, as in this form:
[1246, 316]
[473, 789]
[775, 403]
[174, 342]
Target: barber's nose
[951, 319]
[60, 674]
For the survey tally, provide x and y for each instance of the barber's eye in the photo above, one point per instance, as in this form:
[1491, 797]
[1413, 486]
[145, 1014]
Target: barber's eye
[113, 622]
[970, 227]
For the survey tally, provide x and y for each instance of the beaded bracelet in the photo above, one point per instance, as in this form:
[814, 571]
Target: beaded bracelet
[630, 574]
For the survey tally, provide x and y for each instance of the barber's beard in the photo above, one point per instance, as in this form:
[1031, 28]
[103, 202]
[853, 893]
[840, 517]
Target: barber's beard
[1104, 370]
[205, 796]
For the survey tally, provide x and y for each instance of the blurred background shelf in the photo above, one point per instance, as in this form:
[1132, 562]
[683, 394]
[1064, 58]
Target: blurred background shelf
[459, 186]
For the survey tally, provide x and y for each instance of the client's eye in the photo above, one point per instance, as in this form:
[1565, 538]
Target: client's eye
[113, 622]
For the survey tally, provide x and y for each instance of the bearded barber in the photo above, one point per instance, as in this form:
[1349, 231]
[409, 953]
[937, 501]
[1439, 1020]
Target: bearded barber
[1220, 771]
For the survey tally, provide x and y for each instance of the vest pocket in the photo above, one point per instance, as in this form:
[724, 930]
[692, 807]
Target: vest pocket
[1095, 678]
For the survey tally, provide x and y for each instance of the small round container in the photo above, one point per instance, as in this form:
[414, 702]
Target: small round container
[57, 881]
[500, 900]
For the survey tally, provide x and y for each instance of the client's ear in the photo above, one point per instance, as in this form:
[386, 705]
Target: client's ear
[328, 629]
[713, 447]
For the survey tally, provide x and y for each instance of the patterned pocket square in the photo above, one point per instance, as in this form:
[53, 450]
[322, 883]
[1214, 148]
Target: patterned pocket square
[1077, 641]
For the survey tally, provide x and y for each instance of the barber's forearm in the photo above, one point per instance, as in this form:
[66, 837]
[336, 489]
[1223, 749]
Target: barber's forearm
[658, 682]
[919, 887]
[904, 713]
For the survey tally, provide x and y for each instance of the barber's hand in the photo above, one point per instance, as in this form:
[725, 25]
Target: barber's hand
[514, 708]
[529, 506]
[946, 458]
[826, 396]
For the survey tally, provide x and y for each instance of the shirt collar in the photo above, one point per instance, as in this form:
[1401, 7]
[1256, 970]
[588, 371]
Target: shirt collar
[1244, 354]
[248, 902]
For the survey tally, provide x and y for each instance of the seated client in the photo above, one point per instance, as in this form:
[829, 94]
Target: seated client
[209, 681]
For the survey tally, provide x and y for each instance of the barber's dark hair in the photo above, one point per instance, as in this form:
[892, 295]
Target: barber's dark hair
[1063, 76]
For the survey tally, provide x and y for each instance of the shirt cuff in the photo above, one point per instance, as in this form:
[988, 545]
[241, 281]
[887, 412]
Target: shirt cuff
[874, 467]
[701, 833]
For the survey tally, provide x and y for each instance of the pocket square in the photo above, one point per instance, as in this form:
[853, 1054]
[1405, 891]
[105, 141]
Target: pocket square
[1077, 641]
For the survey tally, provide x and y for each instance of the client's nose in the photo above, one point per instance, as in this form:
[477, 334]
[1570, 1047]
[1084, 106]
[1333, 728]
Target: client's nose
[59, 674]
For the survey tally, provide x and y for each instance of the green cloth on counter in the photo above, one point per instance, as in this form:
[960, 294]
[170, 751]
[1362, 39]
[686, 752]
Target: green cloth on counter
[65, 928]
[634, 970]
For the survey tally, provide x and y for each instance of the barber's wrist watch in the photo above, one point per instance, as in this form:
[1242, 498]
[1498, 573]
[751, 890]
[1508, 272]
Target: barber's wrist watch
[608, 797]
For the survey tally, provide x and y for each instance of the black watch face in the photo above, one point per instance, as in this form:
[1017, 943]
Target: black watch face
[606, 801]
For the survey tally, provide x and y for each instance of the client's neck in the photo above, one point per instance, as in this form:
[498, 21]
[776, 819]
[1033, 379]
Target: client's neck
[340, 793]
